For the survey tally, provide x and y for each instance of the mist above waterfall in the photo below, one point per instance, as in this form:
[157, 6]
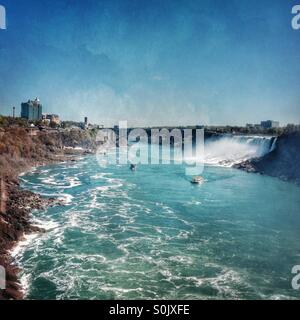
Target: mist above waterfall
[228, 150]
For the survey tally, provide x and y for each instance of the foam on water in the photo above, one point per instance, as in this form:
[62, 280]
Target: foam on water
[66, 198]
[23, 244]
[151, 234]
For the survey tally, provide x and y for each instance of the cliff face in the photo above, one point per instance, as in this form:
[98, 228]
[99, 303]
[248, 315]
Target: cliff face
[19, 149]
[283, 162]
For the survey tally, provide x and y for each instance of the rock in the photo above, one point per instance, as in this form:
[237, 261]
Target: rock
[22, 151]
[14, 223]
[246, 166]
[283, 162]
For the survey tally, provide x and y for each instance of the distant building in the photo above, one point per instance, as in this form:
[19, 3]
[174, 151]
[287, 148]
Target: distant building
[269, 124]
[84, 125]
[33, 130]
[51, 118]
[31, 110]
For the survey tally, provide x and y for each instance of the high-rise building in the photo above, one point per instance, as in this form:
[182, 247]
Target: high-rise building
[269, 124]
[31, 110]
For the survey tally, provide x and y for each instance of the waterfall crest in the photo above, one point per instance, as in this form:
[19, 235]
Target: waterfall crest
[228, 150]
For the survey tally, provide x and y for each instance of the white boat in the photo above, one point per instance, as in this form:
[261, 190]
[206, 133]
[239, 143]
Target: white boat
[197, 180]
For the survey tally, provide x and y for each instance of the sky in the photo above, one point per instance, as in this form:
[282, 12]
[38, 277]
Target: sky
[165, 62]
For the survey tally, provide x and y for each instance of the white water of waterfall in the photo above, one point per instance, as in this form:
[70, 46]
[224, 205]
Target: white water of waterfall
[229, 150]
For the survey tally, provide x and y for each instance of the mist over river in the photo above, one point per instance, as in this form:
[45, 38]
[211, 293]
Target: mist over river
[152, 234]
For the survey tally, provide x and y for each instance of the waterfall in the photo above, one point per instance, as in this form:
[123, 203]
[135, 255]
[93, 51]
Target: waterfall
[273, 146]
[228, 150]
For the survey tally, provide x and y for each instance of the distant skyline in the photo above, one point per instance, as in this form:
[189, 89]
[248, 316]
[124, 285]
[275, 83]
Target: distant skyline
[161, 62]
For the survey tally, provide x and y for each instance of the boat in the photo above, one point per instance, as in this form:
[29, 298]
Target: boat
[133, 167]
[197, 180]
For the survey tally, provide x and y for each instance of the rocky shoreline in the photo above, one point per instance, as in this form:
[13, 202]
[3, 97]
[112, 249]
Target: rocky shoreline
[283, 162]
[15, 223]
[19, 152]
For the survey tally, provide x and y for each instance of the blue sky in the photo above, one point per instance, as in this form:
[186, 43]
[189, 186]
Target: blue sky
[153, 62]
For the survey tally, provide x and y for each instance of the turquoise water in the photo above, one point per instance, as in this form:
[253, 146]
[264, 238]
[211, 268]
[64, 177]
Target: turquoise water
[152, 234]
